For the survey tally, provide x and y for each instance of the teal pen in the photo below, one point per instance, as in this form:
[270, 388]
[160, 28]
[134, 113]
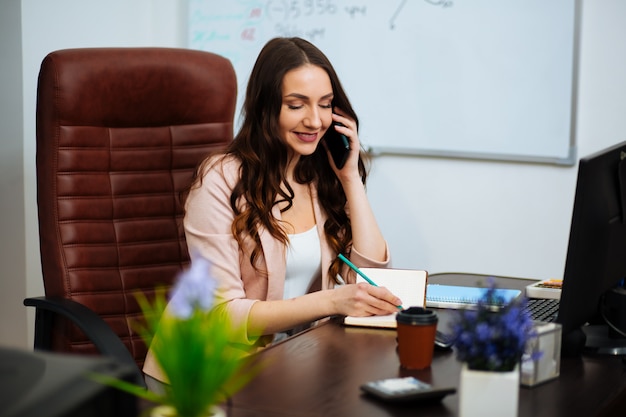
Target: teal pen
[358, 271]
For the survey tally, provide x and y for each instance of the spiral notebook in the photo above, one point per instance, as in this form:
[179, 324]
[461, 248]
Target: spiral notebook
[455, 297]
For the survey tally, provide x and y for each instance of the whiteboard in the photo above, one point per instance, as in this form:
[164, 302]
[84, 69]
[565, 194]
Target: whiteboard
[486, 79]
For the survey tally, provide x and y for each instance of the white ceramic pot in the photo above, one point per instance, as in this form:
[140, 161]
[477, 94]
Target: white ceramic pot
[486, 394]
[168, 411]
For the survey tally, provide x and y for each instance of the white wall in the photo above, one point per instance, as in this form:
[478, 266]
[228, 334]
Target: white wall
[506, 218]
[13, 328]
[438, 214]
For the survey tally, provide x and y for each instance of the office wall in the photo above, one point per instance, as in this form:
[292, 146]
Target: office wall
[13, 328]
[506, 218]
[438, 214]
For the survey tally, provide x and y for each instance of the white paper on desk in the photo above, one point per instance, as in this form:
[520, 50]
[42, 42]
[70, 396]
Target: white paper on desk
[408, 284]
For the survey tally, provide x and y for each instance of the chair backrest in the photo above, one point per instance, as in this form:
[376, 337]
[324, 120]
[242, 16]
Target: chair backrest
[120, 132]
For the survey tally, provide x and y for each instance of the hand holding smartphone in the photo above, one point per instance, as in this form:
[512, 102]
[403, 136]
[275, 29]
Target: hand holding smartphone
[338, 145]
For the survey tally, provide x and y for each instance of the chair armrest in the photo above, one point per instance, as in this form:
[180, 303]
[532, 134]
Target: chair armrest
[94, 327]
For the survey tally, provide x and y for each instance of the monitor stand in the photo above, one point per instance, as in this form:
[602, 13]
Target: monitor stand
[600, 343]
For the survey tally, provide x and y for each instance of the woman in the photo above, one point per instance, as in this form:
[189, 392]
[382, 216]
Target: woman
[273, 212]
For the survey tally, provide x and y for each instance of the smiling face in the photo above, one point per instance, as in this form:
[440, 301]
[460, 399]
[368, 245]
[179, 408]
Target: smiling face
[306, 110]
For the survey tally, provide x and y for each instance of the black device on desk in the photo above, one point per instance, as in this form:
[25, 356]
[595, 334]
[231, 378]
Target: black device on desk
[593, 282]
[443, 341]
[36, 384]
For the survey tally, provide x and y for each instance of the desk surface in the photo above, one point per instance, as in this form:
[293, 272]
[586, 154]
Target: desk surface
[318, 373]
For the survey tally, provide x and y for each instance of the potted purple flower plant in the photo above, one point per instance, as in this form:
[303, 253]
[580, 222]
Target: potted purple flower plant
[489, 340]
[491, 343]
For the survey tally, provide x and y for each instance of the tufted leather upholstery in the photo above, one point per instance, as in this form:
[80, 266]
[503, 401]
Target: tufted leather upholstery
[119, 134]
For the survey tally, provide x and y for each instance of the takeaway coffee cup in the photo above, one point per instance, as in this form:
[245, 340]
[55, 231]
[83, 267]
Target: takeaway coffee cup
[417, 327]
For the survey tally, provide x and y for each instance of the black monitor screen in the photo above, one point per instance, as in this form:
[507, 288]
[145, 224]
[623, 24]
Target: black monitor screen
[593, 300]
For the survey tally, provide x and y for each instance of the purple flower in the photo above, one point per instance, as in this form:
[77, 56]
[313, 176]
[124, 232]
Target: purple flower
[492, 341]
[194, 289]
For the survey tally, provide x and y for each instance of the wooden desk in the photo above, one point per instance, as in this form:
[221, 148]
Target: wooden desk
[318, 373]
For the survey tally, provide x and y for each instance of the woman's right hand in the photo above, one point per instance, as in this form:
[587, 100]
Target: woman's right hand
[363, 299]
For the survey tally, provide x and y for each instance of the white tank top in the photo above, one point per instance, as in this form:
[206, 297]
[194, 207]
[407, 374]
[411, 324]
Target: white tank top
[304, 257]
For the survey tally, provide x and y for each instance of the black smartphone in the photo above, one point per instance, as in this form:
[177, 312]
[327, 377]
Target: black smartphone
[338, 145]
[443, 341]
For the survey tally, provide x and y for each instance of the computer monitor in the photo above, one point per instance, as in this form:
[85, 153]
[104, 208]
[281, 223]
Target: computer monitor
[593, 299]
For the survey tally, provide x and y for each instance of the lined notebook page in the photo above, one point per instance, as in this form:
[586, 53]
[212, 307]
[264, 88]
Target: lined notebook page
[408, 284]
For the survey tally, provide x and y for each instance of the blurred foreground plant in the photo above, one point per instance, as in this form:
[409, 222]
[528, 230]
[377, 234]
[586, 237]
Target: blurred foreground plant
[191, 344]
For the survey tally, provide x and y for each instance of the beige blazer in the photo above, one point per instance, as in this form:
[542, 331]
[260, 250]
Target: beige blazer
[207, 225]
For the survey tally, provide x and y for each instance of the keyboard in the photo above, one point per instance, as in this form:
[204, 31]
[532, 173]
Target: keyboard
[543, 309]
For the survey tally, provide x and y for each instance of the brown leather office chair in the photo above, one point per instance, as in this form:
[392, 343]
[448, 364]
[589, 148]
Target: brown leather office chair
[119, 133]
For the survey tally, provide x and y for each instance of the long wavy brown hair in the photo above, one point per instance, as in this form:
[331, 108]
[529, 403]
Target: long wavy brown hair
[264, 155]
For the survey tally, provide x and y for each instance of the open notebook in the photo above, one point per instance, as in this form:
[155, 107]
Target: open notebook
[408, 284]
